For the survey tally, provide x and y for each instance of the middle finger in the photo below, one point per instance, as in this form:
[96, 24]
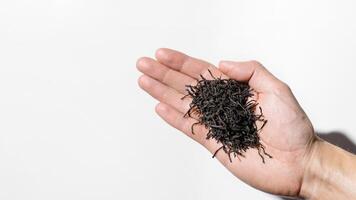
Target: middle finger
[165, 94]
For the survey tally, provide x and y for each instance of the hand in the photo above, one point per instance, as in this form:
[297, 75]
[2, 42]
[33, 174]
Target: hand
[288, 136]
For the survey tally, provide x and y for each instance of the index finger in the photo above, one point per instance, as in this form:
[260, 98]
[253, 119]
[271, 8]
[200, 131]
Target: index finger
[188, 65]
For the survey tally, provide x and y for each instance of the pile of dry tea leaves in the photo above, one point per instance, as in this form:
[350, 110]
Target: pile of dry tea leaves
[225, 108]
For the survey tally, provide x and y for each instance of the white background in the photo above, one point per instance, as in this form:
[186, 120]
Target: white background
[74, 124]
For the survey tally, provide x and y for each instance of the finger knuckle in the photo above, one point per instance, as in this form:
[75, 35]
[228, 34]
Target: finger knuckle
[255, 63]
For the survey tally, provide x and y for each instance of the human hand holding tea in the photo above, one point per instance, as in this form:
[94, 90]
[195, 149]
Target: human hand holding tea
[299, 158]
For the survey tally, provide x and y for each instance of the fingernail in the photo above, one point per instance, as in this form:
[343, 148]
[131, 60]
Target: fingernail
[144, 82]
[162, 54]
[161, 107]
[142, 64]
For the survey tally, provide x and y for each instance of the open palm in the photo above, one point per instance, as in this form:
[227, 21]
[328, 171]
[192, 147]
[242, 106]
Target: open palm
[287, 135]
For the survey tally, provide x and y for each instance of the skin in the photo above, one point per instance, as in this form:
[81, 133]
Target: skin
[288, 136]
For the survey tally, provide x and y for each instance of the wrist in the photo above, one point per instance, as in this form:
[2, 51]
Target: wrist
[329, 172]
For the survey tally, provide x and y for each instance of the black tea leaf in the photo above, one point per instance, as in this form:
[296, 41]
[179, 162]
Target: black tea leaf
[225, 108]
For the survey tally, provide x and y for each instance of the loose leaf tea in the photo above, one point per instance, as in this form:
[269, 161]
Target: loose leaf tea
[225, 108]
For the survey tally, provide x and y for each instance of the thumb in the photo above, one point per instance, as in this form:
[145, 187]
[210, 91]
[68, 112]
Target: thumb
[252, 72]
